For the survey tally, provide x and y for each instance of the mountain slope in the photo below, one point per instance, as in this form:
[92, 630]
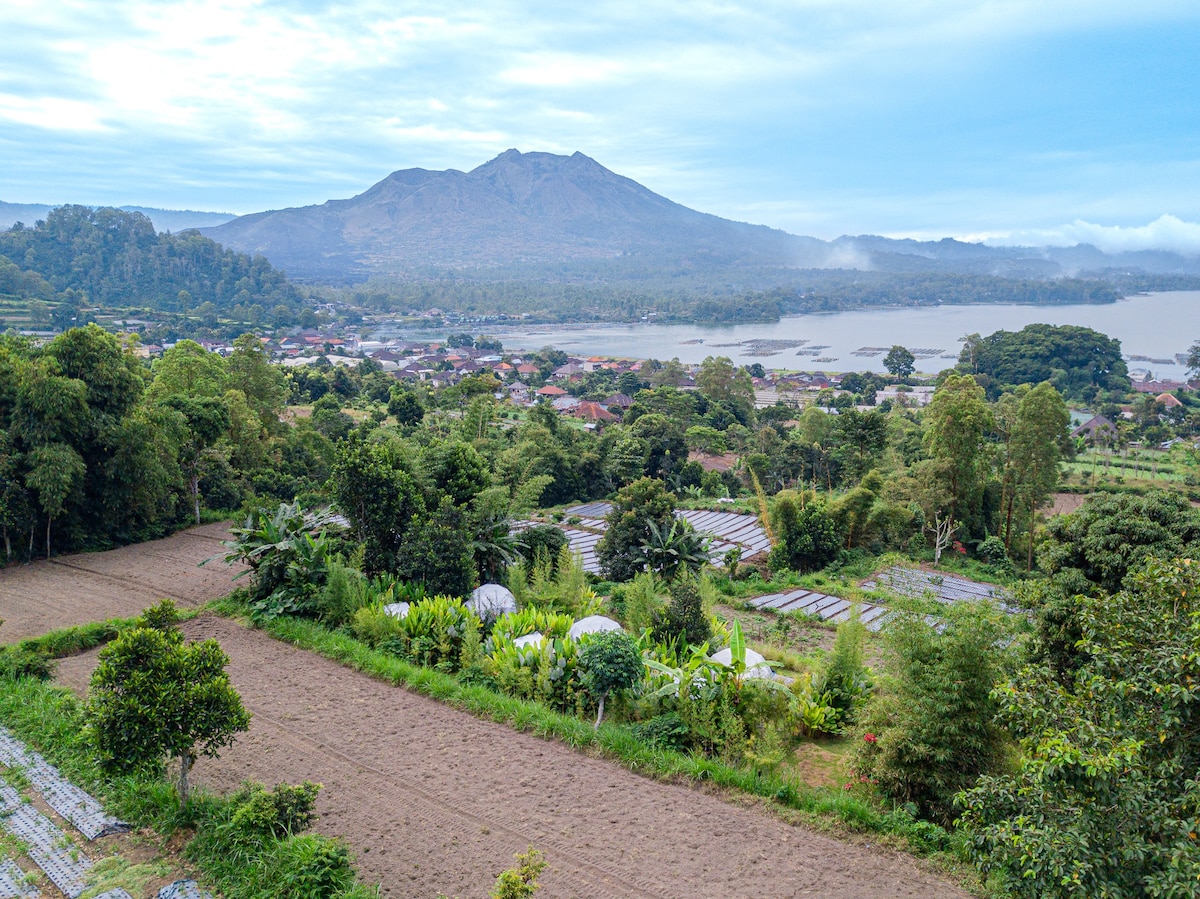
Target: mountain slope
[518, 208]
[545, 217]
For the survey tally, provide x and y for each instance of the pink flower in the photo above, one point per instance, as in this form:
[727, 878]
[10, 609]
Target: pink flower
[848, 786]
[870, 738]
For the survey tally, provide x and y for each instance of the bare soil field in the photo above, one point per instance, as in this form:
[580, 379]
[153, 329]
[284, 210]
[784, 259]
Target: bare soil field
[433, 800]
[1065, 503]
[67, 590]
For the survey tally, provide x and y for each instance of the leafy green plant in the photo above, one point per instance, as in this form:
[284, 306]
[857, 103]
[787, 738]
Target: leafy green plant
[520, 881]
[154, 696]
[611, 663]
[276, 813]
[286, 561]
[431, 633]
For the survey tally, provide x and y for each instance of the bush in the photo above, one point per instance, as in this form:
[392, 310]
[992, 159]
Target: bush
[665, 731]
[309, 866]
[432, 632]
[845, 679]
[21, 661]
[374, 626]
[935, 730]
[277, 813]
[683, 621]
[554, 585]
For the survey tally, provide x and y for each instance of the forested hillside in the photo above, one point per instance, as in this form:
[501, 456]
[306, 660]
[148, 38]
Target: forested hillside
[82, 259]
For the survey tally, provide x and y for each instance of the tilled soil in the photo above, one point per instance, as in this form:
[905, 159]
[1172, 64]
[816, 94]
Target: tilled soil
[69, 590]
[433, 800]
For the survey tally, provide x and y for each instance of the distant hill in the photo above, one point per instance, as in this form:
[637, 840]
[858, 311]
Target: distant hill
[79, 258]
[164, 219]
[564, 218]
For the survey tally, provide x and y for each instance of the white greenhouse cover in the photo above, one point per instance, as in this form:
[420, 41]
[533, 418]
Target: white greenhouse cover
[593, 624]
[756, 665]
[396, 609]
[491, 601]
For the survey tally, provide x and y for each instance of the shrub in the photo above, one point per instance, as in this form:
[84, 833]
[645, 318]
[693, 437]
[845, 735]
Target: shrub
[559, 586]
[845, 680]
[935, 729]
[640, 601]
[277, 813]
[21, 661]
[432, 632]
[665, 731]
[528, 621]
[374, 626]
[683, 620]
[310, 866]
[520, 881]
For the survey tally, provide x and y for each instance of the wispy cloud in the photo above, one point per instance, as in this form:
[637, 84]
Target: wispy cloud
[1166, 232]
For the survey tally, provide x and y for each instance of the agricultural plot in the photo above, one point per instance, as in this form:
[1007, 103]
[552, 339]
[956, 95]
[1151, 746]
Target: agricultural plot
[434, 800]
[827, 608]
[944, 588]
[78, 589]
[727, 530]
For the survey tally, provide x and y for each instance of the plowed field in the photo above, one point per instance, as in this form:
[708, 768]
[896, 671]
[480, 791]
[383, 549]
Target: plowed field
[433, 800]
[68, 590]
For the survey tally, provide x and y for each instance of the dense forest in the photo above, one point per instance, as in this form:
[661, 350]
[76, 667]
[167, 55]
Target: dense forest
[81, 260]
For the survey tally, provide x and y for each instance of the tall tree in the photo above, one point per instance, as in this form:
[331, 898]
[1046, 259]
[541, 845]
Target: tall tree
[55, 473]
[1036, 445]
[955, 422]
[899, 362]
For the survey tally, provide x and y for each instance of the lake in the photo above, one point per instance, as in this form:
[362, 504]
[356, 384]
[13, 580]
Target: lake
[1157, 325]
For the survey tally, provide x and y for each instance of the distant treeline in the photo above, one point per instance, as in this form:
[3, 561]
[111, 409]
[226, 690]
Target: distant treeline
[689, 297]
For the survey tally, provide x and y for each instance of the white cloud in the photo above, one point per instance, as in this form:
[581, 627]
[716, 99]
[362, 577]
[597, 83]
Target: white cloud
[51, 113]
[1167, 232]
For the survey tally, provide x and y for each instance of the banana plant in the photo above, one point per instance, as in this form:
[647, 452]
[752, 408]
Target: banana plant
[698, 675]
[735, 672]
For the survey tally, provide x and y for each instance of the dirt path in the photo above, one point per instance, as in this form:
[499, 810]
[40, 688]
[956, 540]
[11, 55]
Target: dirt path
[434, 800]
[46, 595]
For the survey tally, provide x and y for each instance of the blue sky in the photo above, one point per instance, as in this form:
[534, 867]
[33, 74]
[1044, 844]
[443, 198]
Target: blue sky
[1009, 121]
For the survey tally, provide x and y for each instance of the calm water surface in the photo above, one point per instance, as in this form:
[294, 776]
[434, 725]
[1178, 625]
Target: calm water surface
[1156, 325]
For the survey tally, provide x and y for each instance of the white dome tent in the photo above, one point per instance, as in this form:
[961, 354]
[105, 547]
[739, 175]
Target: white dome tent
[593, 624]
[396, 609]
[491, 601]
[756, 665]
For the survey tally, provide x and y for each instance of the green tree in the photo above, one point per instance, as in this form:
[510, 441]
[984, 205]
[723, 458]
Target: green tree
[437, 552]
[207, 419]
[265, 385]
[683, 621]
[806, 538]
[934, 723]
[1105, 800]
[153, 696]
[55, 474]
[611, 663]
[379, 497]
[1193, 359]
[899, 362]
[955, 422]
[721, 382]
[187, 369]
[1036, 444]
[404, 406]
[619, 550]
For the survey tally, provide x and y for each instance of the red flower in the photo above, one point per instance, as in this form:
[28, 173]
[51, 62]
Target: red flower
[870, 738]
